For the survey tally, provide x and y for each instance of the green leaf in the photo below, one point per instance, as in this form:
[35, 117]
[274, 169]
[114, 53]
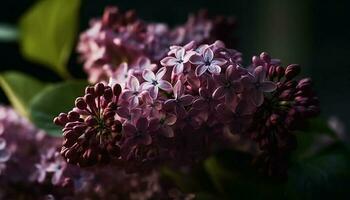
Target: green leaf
[48, 31]
[53, 100]
[8, 33]
[321, 177]
[20, 89]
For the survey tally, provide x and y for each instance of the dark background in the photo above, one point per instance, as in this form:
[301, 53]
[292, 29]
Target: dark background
[312, 33]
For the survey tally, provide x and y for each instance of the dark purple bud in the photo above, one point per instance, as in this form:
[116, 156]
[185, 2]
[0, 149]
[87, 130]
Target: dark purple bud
[292, 71]
[90, 90]
[73, 116]
[117, 90]
[91, 121]
[265, 57]
[280, 71]
[99, 89]
[108, 94]
[80, 103]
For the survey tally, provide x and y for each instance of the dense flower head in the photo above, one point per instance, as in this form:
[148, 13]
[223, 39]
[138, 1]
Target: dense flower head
[178, 110]
[91, 130]
[119, 37]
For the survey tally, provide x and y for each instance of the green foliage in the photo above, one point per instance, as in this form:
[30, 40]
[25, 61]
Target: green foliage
[20, 89]
[48, 31]
[52, 101]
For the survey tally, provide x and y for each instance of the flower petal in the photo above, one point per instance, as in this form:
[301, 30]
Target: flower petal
[123, 112]
[186, 99]
[199, 104]
[178, 68]
[218, 61]
[268, 86]
[148, 75]
[200, 70]
[219, 92]
[208, 54]
[178, 89]
[133, 83]
[257, 97]
[170, 119]
[259, 74]
[167, 131]
[196, 59]
[169, 61]
[134, 101]
[180, 53]
[129, 130]
[161, 72]
[165, 85]
[146, 139]
[142, 124]
[214, 69]
[170, 104]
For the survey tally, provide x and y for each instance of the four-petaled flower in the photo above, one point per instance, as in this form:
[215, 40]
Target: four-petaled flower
[177, 62]
[207, 62]
[229, 84]
[138, 134]
[257, 85]
[164, 123]
[180, 100]
[155, 81]
[133, 91]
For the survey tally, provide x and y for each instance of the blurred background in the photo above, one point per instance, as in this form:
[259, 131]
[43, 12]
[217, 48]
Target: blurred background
[308, 32]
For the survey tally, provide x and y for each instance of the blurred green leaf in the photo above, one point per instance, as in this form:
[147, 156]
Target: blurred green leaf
[20, 89]
[8, 33]
[48, 31]
[321, 177]
[52, 101]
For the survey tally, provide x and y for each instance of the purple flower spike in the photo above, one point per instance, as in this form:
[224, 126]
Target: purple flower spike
[207, 62]
[155, 82]
[178, 62]
[180, 100]
[258, 84]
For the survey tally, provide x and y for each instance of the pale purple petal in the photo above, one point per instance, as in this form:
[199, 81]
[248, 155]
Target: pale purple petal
[268, 86]
[257, 97]
[148, 75]
[200, 70]
[180, 53]
[165, 85]
[169, 61]
[178, 89]
[196, 59]
[218, 61]
[259, 73]
[153, 91]
[133, 83]
[161, 72]
[134, 101]
[208, 54]
[214, 69]
[178, 68]
[126, 94]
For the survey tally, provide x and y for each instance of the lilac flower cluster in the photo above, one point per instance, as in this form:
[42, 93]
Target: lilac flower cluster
[122, 37]
[177, 111]
[32, 168]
